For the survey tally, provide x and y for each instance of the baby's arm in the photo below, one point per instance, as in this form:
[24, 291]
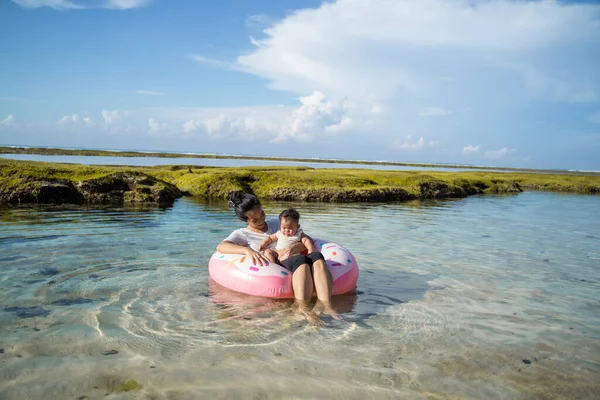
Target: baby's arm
[268, 240]
[308, 243]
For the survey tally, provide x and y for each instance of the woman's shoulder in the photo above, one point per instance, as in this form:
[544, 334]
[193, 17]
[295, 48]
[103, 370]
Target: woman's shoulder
[238, 236]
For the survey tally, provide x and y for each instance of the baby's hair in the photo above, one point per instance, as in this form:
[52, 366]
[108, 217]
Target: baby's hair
[242, 203]
[290, 213]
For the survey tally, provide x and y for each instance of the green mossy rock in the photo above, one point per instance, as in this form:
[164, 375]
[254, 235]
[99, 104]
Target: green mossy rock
[499, 186]
[129, 386]
[35, 183]
[29, 190]
[39, 182]
[128, 188]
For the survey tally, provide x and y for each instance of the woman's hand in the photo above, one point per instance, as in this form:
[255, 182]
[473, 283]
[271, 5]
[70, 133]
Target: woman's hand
[257, 258]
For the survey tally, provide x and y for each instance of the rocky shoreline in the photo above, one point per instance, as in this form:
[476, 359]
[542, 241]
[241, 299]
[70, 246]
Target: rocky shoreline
[128, 187]
[29, 182]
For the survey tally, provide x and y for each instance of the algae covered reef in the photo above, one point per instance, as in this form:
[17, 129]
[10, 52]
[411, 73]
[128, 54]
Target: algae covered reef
[23, 182]
[33, 182]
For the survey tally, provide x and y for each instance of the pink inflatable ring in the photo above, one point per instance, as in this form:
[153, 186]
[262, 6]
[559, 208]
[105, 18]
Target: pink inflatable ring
[238, 273]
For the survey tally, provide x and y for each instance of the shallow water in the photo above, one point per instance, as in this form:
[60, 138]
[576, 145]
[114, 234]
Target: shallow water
[489, 297]
[217, 162]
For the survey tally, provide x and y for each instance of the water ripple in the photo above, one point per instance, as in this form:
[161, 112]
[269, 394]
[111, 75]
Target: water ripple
[452, 297]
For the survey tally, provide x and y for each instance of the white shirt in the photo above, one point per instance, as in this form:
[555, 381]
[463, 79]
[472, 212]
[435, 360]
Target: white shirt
[248, 238]
[283, 242]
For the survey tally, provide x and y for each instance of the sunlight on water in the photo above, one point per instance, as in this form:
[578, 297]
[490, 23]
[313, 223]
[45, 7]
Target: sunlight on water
[485, 297]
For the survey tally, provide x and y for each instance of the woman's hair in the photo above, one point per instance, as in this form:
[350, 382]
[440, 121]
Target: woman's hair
[242, 203]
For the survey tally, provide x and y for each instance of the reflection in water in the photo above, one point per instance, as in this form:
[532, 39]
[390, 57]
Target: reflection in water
[484, 297]
[238, 303]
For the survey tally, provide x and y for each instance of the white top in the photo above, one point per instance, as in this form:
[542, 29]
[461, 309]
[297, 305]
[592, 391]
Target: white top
[248, 238]
[283, 242]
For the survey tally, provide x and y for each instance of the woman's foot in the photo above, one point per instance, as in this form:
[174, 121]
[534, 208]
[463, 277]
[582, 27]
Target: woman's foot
[326, 308]
[304, 309]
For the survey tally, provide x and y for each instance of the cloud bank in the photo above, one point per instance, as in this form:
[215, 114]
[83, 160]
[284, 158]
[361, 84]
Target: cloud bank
[389, 60]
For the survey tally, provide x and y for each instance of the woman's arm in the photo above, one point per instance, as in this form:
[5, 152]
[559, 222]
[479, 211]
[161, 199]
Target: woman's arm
[227, 247]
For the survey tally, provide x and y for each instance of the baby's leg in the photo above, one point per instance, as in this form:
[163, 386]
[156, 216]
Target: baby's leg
[285, 253]
[271, 255]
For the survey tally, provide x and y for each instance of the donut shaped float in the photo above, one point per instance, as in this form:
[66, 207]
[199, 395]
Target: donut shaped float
[237, 272]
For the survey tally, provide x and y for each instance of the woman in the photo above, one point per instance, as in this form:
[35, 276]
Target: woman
[308, 272]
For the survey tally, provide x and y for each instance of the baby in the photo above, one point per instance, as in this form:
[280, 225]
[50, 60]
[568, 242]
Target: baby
[287, 236]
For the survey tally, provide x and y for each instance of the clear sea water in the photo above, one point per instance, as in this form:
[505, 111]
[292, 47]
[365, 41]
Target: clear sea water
[213, 162]
[488, 297]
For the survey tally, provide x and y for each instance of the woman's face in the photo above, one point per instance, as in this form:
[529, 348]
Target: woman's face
[256, 218]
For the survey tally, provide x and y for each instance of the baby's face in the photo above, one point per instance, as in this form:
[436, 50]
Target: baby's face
[288, 226]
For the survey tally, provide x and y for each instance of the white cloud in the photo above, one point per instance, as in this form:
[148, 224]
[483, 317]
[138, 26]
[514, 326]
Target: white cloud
[408, 144]
[78, 5]
[214, 62]
[470, 149]
[68, 119]
[344, 125]
[155, 127]
[388, 57]
[354, 47]
[221, 126]
[238, 123]
[192, 126]
[258, 22]
[384, 56]
[315, 116]
[498, 154]
[8, 121]
[150, 92]
[125, 4]
[75, 120]
[111, 116]
[56, 4]
[433, 112]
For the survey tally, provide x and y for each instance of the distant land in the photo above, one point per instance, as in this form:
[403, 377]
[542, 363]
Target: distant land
[57, 151]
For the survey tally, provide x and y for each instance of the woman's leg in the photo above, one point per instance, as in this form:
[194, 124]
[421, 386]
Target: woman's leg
[323, 282]
[302, 284]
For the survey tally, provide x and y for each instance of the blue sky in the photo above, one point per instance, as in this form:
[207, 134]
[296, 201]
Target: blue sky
[504, 83]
